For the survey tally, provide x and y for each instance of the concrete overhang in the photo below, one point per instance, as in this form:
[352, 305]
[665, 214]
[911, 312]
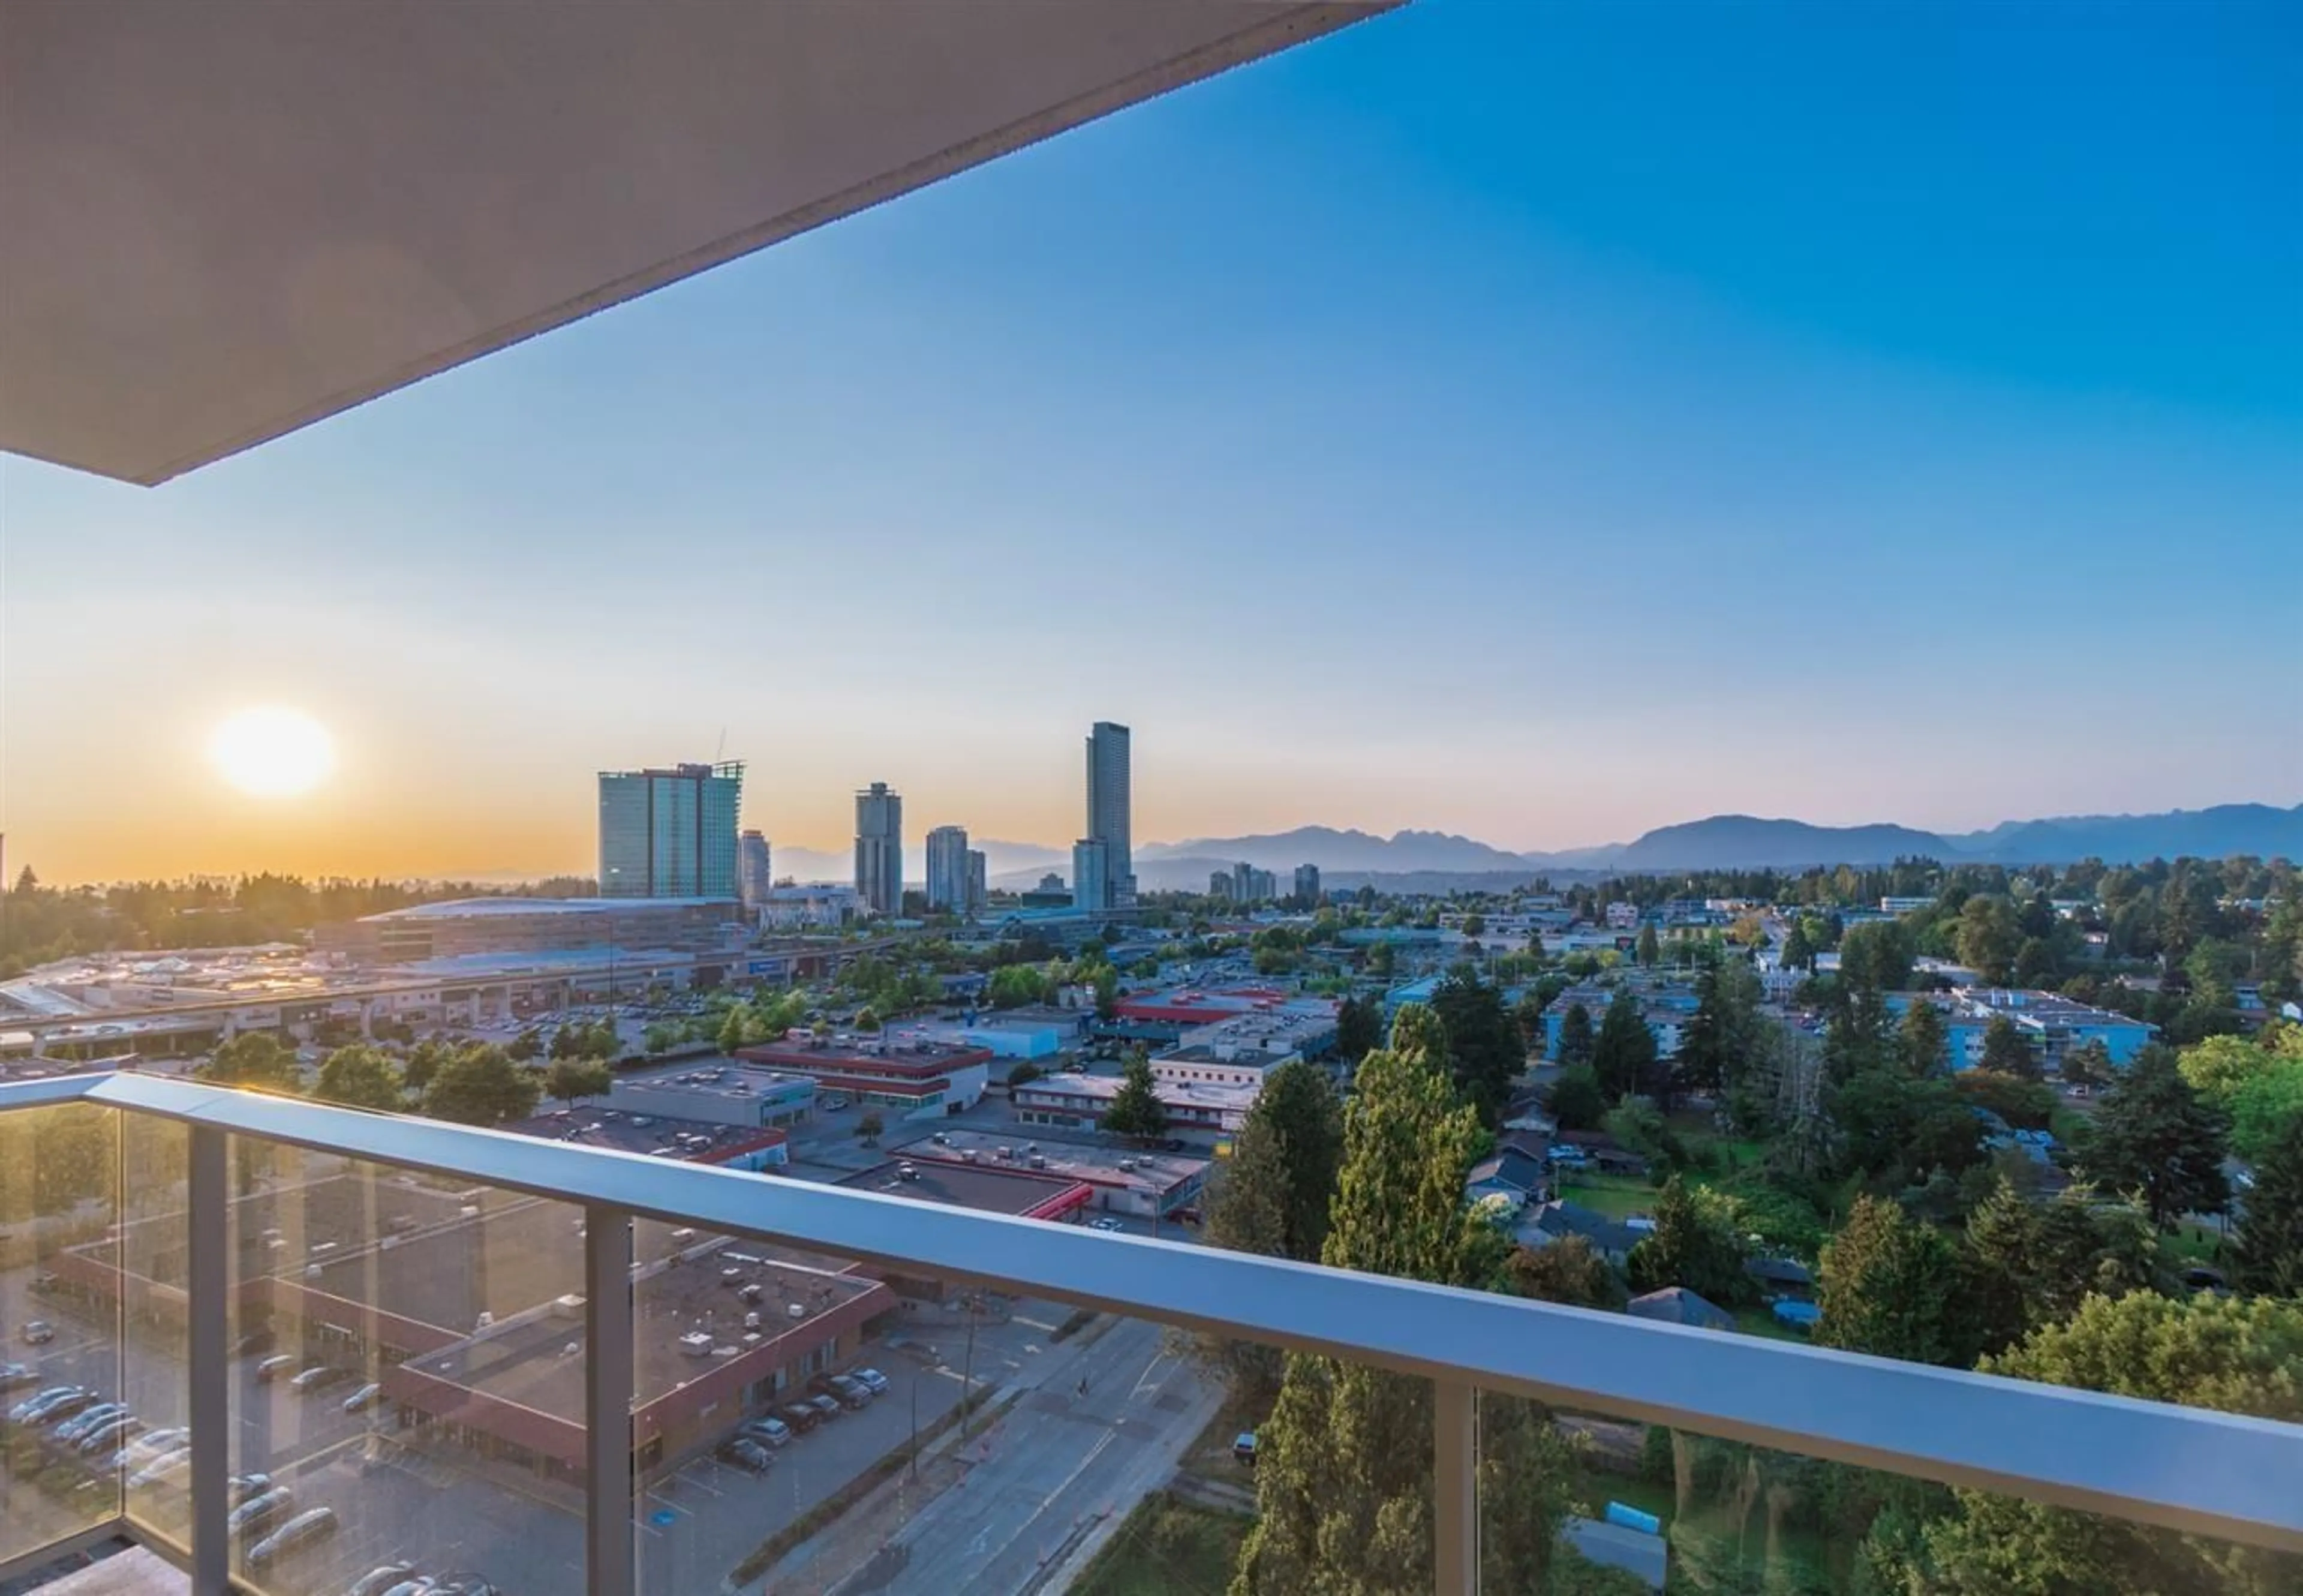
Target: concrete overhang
[223, 220]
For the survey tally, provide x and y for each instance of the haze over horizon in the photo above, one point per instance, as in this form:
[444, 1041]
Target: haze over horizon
[1410, 432]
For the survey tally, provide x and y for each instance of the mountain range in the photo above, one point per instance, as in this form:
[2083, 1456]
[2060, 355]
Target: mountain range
[1720, 842]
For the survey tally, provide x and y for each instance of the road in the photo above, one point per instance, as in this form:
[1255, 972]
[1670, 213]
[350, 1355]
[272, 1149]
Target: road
[1057, 1464]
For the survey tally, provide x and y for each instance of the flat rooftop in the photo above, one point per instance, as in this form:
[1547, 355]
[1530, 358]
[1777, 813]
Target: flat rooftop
[654, 1135]
[988, 1189]
[1097, 1166]
[470, 908]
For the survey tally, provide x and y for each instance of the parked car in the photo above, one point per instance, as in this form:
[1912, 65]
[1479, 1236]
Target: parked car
[380, 1579]
[68, 1429]
[241, 1488]
[313, 1524]
[109, 1436]
[37, 1332]
[366, 1397]
[801, 1416]
[773, 1432]
[422, 1584]
[15, 1377]
[259, 1513]
[55, 1398]
[161, 1470]
[847, 1392]
[747, 1454]
[254, 1341]
[871, 1380]
[464, 1584]
[1242, 1447]
[275, 1366]
[826, 1407]
[319, 1377]
[1105, 1223]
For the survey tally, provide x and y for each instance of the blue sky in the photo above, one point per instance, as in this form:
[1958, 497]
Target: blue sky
[1542, 423]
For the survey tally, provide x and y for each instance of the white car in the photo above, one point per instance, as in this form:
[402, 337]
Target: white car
[1105, 1223]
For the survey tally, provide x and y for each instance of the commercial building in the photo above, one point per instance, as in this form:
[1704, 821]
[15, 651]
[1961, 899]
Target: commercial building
[1033, 1033]
[880, 848]
[1241, 1049]
[948, 870]
[901, 1073]
[729, 1144]
[1091, 875]
[1080, 1101]
[1110, 818]
[1147, 1184]
[811, 908]
[1307, 885]
[463, 926]
[2054, 1025]
[716, 1093]
[979, 889]
[754, 869]
[669, 833]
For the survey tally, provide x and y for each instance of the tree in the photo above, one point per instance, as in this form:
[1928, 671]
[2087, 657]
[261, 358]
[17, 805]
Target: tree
[1344, 1463]
[527, 1045]
[1273, 1194]
[1799, 953]
[2031, 1265]
[1576, 1101]
[1703, 1059]
[360, 1077]
[1575, 1037]
[480, 1086]
[1625, 1050]
[1646, 949]
[2006, 1052]
[868, 1127]
[2230, 1354]
[572, 1079]
[2269, 1251]
[1988, 936]
[2085, 1065]
[2155, 1136]
[1475, 925]
[1359, 1028]
[1281, 1176]
[1135, 1108]
[2266, 1111]
[1876, 955]
[254, 1061]
[1567, 1271]
[1694, 1244]
[1921, 1039]
[867, 1021]
[2218, 1067]
[1894, 1130]
[1890, 1285]
[1485, 1053]
[1107, 993]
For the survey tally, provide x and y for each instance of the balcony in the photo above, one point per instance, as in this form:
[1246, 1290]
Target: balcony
[517, 1364]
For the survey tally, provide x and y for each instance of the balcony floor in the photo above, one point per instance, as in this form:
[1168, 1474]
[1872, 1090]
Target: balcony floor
[135, 1572]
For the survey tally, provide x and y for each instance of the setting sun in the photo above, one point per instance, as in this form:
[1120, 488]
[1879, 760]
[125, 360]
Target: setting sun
[271, 752]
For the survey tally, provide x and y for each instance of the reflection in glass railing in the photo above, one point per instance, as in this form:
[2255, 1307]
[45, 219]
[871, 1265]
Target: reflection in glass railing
[407, 1378]
[64, 1412]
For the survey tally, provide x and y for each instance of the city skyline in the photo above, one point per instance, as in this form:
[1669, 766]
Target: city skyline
[1576, 479]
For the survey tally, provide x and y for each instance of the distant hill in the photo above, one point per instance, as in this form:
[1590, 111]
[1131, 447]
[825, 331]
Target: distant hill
[1742, 841]
[2256, 829]
[1331, 849]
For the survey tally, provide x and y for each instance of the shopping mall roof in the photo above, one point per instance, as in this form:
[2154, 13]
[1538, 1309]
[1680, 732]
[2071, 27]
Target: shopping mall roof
[460, 908]
[219, 222]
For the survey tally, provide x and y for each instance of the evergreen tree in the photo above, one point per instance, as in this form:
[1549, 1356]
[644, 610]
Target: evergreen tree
[1343, 1464]
[1799, 952]
[1359, 1028]
[1920, 1039]
[1567, 1271]
[360, 1077]
[1890, 1285]
[1625, 1050]
[2155, 1136]
[1135, 1108]
[1703, 1059]
[1647, 949]
[2006, 1052]
[2231, 1354]
[1277, 1185]
[1575, 1038]
[2270, 1240]
[2031, 1264]
[1485, 1054]
[1694, 1244]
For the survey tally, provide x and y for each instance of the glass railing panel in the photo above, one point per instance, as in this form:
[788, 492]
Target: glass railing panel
[59, 1305]
[990, 1444]
[154, 1232]
[1582, 1500]
[407, 1353]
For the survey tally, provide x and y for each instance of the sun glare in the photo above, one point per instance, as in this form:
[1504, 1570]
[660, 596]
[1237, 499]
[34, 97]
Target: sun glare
[271, 752]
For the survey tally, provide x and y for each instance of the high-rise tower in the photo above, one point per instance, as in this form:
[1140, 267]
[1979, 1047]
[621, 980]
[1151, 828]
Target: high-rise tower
[880, 848]
[1109, 819]
[671, 833]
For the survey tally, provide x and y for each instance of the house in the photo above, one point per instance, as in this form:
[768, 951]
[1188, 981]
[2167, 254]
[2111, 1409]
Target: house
[1784, 1274]
[1676, 1305]
[1510, 1173]
[1555, 1220]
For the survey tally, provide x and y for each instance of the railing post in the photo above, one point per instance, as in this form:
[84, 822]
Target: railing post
[208, 1356]
[1456, 1490]
[608, 1494]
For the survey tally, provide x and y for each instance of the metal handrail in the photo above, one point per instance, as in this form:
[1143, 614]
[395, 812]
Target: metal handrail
[2189, 1469]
